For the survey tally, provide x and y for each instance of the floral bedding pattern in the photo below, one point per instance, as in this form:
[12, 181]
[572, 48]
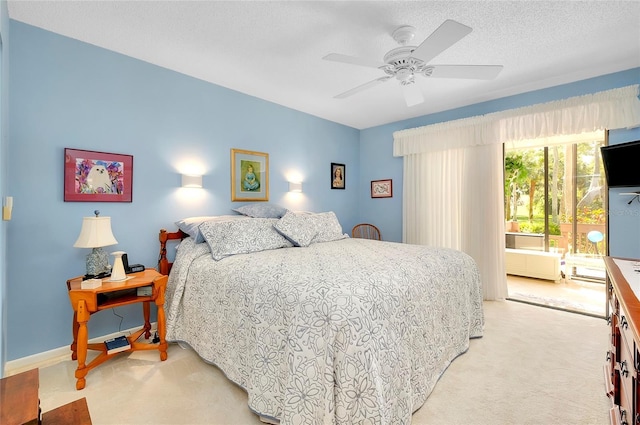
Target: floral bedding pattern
[349, 331]
[242, 237]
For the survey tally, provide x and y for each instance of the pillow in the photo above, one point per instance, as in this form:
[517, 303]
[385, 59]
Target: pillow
[298, 228]
[190, 225]
[233, 237]
[261, 210]
[328, 227]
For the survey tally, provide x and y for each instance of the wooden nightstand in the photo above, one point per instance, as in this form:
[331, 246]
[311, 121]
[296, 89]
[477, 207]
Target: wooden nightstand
[85, 302]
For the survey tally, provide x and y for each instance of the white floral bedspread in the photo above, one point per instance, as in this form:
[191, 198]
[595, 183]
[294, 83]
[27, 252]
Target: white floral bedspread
[344, 332]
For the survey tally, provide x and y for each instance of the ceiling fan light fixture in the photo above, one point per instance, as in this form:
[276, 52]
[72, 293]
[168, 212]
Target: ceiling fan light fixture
[411, 93]
[405, 76]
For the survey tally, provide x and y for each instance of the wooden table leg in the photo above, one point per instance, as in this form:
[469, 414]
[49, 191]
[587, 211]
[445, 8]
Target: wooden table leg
[162, 347]
[146, 309]
[82, 316]
[74, 344]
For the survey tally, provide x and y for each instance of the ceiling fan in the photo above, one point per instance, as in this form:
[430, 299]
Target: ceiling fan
[405, 62]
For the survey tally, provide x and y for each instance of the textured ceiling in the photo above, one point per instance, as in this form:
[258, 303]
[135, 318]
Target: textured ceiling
[273, 50]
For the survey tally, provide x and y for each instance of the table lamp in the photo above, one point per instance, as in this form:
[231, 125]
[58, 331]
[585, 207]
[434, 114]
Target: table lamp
[96, 233]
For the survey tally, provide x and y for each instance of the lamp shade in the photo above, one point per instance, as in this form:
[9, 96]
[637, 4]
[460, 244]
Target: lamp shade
[95, 232]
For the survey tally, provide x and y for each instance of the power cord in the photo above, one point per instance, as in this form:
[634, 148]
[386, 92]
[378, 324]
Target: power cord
[156, 338]
[121, 318]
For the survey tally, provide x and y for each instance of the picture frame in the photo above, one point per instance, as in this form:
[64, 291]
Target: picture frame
[382, 188]
[92, 176]
[249, 175]
[338, 176]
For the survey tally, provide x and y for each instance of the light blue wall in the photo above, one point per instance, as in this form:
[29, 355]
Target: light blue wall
[4, 121]
[64, 93]
[377, 161]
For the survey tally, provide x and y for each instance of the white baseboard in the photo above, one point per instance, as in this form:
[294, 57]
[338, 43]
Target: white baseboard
[57, 355]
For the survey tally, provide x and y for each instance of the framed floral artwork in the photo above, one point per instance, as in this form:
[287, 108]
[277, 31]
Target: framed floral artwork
[338, 176]
[381, 189]
[91, 176]
[249, 175]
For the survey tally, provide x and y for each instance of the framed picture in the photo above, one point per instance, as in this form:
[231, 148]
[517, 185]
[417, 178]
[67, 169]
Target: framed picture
[381, 189]
[249, 175]
[338, 176]
[97, 176]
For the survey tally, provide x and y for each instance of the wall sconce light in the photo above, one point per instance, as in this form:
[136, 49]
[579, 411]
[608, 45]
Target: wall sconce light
[295, 187]
[191, 181]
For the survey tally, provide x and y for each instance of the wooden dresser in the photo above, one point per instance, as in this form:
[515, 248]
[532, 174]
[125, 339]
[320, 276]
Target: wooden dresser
[623, 355]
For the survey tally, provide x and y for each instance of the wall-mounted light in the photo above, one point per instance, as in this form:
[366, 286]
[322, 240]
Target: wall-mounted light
[295, 187]
[191, 181]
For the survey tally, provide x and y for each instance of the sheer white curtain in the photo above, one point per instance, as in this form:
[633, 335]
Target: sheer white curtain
[454, 198]
[453, 172]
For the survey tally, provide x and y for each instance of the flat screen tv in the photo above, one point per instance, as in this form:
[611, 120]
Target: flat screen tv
[622, 164]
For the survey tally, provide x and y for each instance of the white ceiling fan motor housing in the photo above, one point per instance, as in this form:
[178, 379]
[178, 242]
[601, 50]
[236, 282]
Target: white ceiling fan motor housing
[399, 62]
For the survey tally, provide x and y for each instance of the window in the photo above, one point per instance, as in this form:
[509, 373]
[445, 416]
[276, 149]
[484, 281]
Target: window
[555, 201]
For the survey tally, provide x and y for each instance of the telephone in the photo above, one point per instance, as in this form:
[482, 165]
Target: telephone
[131, 268]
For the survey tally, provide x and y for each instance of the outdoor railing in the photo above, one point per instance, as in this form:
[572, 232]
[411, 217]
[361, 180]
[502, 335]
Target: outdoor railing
[562, 243]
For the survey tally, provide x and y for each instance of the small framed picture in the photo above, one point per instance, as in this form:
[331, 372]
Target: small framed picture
[249, 175]
[381, 189]
[97, 176]
[337, 176]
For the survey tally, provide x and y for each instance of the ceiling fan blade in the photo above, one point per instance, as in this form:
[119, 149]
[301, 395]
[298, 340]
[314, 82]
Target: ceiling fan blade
[369, 63]
[363, 87]
[473, 72]
[412, 94]
[441, 39]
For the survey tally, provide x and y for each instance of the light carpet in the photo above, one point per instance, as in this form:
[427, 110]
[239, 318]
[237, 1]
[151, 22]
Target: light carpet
[533, 366]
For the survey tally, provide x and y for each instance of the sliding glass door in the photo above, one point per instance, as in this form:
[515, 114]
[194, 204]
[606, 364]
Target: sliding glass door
[555, 202]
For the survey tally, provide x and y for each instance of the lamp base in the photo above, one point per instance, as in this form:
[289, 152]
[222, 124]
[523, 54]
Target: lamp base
[98, 263]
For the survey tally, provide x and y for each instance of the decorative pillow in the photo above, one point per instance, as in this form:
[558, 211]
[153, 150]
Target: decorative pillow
[190, 225]
[328, 227]
[298, 228]
[242, 236]
[261, 210]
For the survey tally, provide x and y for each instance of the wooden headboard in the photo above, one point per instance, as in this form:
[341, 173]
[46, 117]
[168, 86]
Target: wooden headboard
[164, 266]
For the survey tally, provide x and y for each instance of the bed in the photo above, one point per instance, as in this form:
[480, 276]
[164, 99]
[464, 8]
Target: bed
[318, 327]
